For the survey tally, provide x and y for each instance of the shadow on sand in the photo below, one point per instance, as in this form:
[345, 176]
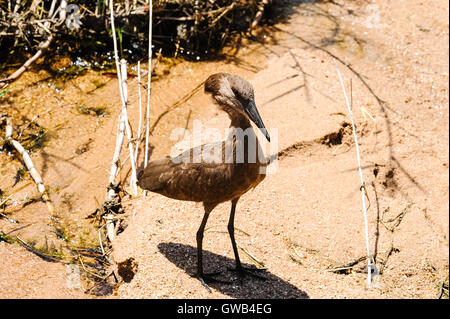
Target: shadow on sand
[185, 257]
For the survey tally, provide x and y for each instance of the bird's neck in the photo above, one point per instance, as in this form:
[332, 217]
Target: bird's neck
[241, 135]
[243, 141]
[238, 120]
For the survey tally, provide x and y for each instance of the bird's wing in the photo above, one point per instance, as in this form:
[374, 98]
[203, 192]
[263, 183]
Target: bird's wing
[186, 176]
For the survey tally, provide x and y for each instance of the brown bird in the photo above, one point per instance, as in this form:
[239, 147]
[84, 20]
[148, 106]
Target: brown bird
[196, 175]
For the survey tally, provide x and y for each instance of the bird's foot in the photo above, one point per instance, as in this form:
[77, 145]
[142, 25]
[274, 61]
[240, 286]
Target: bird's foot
[245, 271]
[206, 279]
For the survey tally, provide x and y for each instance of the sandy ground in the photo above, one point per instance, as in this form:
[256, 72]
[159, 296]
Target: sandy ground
[304, 219]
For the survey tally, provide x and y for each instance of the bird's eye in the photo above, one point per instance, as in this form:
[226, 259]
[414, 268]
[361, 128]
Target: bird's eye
[235, 92]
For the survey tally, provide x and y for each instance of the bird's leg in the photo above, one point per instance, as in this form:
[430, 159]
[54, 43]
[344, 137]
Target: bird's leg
[231, 232]
[200, 231]
[239, 268]
[204, 278]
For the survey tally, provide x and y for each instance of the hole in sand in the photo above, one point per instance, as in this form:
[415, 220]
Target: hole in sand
[127, 269]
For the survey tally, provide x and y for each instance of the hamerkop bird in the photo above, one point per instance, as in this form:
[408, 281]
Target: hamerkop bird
[193, 176]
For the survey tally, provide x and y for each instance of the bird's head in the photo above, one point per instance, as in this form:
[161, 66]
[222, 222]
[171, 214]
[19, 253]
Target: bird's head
[234, 94]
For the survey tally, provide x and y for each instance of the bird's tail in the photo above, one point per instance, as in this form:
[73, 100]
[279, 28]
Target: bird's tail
[152, 177]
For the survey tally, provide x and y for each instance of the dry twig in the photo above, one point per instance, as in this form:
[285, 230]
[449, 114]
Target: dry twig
[30, 166]
[149, 82]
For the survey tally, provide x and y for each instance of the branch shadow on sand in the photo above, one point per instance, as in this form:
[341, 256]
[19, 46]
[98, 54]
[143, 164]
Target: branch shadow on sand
[185, 257]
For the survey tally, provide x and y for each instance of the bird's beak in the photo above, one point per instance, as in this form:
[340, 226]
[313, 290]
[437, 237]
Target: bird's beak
[253, 114]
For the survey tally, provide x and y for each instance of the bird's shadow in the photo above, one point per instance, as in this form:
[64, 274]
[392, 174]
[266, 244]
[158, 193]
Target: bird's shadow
[273, 287]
